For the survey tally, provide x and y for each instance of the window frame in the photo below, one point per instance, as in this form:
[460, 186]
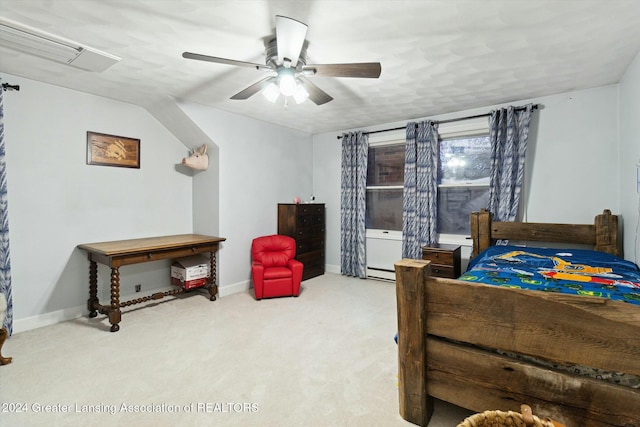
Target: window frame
[397, 137]
[467, 127]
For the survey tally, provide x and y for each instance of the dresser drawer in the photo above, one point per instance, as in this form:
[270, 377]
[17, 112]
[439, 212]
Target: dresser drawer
[309, 244]
[312, 270]
[309, 220]
[311, 257]
[310, 209]
[316, 231]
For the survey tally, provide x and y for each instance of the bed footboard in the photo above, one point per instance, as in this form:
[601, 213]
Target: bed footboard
[447, 327]
[415, 405]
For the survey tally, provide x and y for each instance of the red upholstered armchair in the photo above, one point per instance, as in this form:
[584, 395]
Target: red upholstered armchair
[274, 270]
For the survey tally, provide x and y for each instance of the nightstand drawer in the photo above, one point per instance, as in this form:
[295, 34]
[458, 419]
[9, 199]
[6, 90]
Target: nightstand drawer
[445, 258]
[443, 271]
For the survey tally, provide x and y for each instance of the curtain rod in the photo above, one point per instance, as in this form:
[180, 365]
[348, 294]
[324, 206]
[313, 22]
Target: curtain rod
[7, 86]
[535, 107]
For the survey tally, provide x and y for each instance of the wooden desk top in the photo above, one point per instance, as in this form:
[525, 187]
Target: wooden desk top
[148, 244]
[117, 253]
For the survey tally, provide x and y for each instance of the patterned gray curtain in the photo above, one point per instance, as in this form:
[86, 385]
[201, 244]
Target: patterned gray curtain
[5, 265]
[420, 197]
[353, 189]
[508, 133]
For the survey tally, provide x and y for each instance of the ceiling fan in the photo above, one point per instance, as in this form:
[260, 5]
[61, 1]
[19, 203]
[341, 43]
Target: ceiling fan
[286, 56]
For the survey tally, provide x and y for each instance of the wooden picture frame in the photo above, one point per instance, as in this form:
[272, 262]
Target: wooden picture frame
[112, 150]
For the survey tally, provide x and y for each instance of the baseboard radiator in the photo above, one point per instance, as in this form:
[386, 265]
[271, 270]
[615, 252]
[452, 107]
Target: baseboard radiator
[382, 254]
[381, 274]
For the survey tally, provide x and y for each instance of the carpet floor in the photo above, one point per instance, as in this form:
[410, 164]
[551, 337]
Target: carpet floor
[326, 358]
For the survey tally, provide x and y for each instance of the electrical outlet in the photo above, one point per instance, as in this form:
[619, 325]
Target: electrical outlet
[138, 287]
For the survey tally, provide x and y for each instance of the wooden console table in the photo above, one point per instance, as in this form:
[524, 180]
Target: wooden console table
[125, 252]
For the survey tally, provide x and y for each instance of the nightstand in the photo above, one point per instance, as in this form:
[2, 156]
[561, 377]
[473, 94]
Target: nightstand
[445, 260]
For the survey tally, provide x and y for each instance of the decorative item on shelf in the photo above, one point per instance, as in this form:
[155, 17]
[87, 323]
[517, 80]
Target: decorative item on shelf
[198, 158]
[312, 199]
[297, 200]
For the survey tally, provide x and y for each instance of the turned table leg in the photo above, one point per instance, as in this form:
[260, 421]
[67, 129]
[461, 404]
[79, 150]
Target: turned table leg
[213, 287]
[114, 311]
[3, 336]
[93, 301]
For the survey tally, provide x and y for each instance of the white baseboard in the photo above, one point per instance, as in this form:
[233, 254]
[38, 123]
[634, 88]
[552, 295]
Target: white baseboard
[48, 319]
[235, 288]
[53, 317]
[332, 268]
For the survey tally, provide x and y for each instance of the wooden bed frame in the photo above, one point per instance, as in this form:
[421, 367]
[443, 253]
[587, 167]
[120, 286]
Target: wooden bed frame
[446, 328]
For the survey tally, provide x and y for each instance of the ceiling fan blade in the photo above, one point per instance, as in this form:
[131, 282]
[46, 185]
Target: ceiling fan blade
[199, 57]
[253, 89]
[317, 95]
[362, 69]
[290, 35]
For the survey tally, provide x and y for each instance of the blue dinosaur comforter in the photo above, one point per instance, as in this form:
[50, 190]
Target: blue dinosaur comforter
[571, 271]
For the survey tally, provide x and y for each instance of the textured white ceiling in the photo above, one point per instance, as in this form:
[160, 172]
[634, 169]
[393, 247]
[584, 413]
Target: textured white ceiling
[437, 56]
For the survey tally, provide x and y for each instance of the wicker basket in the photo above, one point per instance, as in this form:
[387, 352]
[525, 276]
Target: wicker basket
[510, 418]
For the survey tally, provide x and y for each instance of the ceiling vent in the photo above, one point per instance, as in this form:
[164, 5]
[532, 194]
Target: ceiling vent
[28, 40]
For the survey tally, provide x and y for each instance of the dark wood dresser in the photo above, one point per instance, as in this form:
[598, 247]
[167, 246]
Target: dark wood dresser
[305, 222]
[445, 260]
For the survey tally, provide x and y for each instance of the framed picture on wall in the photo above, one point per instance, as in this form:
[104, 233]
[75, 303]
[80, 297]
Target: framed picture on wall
[112, 150]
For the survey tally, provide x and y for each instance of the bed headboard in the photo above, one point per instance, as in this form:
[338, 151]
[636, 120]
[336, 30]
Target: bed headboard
[603, 234]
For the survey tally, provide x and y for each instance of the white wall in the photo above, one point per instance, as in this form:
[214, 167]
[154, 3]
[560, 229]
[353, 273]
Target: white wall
[571, 170]
[572, 161]
[582, 155]
[629, 156]
[327, 158]
[261, 165]
[56, 201]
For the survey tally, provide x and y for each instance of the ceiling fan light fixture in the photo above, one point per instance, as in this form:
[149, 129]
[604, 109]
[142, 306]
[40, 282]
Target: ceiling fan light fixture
[288, 84]
[286, 59]
[301, 94]
[271, 92]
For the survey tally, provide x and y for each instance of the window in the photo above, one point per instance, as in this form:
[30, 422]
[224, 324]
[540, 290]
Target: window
[385, 181]
[463, 182]
[463, 185]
